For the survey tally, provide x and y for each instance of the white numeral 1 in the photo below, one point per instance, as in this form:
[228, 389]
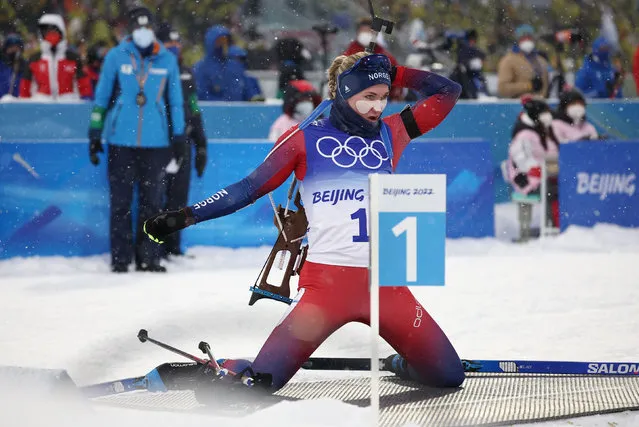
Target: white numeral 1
[409, 225]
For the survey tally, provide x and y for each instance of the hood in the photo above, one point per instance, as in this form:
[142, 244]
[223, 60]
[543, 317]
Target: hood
[598, 44]
[56, 21]
[212, 34]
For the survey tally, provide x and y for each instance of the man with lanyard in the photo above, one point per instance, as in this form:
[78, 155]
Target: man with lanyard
[140, 85]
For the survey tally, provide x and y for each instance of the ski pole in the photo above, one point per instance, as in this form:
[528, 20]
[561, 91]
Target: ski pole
[143, 336]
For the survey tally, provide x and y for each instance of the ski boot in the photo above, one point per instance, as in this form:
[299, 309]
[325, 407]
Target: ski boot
[397, 365]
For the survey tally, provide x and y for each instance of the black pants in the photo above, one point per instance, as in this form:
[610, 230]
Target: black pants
[128, 166]
[177, 195]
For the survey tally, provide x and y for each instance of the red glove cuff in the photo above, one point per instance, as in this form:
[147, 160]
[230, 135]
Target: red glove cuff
[535, 172]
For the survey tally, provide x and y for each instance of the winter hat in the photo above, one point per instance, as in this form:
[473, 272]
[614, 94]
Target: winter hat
[570, 97]
[524, 30]
[140, 16]
[534, 107]
[295, 91]
[12, 39]
[165, 33]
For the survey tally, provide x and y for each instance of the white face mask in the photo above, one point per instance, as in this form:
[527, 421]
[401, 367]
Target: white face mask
[302, 110]
[143, 37]
[545, 118]
[475, 64]
[364, 38]
[527, 46]
[576, 112]
[364, 105]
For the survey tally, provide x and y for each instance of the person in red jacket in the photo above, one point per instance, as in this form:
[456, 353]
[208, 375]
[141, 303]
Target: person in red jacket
[55, 73]
[364, 35]
[635, 69]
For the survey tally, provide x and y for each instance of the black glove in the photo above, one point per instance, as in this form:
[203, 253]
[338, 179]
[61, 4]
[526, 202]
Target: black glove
[200, 160]
[179, 146]
[95, 146]
[160, 226]
[537, 83]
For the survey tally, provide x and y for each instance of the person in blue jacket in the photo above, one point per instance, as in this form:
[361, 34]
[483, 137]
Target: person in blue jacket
[12, 65]
[597, 77]
[139, 80]
[252, 89]
[217, 76]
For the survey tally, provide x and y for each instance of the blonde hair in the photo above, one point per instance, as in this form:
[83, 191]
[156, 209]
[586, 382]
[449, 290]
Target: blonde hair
[339, 65]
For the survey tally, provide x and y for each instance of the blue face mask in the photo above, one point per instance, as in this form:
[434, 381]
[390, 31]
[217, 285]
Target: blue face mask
[143, 37]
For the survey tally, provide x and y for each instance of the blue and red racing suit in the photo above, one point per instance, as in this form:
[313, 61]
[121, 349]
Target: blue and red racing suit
[333, 168]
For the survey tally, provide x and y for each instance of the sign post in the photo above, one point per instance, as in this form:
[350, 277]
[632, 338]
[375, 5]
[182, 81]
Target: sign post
[407, 243]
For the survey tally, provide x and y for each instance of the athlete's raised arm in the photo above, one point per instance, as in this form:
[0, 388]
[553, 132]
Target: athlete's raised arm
[438, 96]
[287, 156]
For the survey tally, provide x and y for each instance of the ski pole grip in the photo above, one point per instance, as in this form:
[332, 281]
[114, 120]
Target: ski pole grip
[143, 335]
[204, 347]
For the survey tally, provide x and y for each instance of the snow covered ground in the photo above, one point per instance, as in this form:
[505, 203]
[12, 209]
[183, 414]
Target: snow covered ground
[570, 297]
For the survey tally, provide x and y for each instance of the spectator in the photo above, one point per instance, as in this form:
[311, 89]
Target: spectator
[363, 36]
[252, 87]
[12, 65]
[635, 69]
[533, 142]
[522, 70]
[178, 184]
[570, 122]
[56, 71]
[217, 77]
[143, 77]
[597, 77]
[291, 57]
[300, 99]
[95, 58]
[468, 72]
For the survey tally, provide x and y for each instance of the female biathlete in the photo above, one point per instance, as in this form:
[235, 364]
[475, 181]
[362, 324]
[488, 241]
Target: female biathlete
[332, 158]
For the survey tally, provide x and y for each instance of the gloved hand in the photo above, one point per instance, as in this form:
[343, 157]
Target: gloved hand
[200, 160]
[95, 146]
[179, 147]
[160, 226]
[536, 83]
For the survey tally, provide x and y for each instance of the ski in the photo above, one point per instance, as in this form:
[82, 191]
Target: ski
[493, 366]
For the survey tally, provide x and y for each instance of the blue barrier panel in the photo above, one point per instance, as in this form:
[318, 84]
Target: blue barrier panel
[597, 183]
[469, 181]
[54, 202]
[491, 121]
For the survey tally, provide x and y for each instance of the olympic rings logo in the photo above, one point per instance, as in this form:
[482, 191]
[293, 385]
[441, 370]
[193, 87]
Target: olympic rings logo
[344, 155]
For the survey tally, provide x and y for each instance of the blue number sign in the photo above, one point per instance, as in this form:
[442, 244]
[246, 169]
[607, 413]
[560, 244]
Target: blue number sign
[408, 229]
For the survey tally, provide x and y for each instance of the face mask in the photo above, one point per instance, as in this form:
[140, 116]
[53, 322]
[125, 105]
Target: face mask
[363, 106]
[53, 37]
[576, 112]
[143, 37]
[527, 46]
[364, 38]
[302, 110]
[545, 119]
[475, 64]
